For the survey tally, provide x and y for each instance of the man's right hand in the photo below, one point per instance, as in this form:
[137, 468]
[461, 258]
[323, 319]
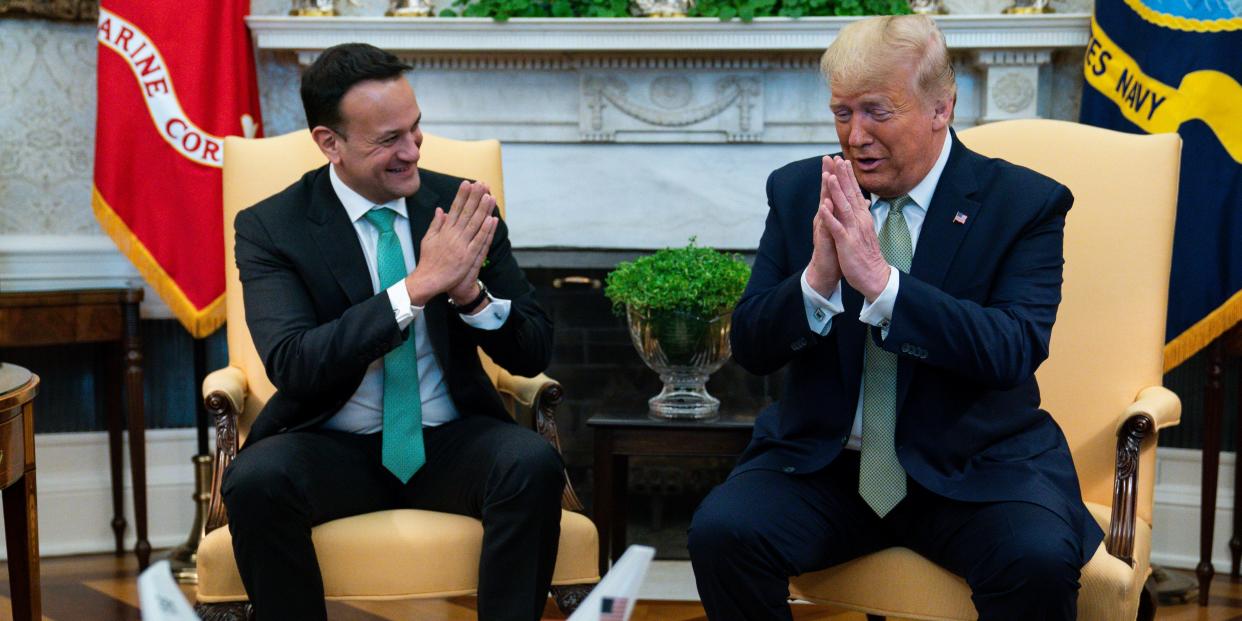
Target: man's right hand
[824, 271]
[452, 243]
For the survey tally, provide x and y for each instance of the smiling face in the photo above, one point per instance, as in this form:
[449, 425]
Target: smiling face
[892, 133]
[377, 148]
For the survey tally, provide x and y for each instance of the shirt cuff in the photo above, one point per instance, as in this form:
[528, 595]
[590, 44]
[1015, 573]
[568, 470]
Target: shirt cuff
[490, 317]
[402, 309]
[880, 312]
[820, 310]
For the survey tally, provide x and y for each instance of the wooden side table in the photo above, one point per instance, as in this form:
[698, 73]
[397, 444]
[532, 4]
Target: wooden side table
[625, 433]
[109, 318]
[18, 388]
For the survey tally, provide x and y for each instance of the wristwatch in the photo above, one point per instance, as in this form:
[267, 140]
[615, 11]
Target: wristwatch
[473, 305]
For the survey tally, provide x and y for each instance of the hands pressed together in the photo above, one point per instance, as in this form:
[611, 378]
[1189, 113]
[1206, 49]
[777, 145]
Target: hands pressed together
[454, 248]
[843, 232]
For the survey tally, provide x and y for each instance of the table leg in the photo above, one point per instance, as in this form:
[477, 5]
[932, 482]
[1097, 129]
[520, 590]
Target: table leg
[108, 380]
[601, 504]
[1235, 542]
[137, 431]
[1213, 405]
[620, 494]
[21, 534]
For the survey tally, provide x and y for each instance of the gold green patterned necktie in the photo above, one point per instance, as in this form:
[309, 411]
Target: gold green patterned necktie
[881, 479]
[402, 450]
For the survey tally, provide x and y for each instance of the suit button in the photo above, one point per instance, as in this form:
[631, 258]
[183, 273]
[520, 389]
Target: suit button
[788, 469]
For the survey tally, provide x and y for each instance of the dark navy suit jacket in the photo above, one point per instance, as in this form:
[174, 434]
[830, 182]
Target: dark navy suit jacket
[970, 325]
[317, 323]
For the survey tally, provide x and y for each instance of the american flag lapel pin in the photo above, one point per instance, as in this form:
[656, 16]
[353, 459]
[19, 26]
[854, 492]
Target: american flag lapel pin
[960, 218]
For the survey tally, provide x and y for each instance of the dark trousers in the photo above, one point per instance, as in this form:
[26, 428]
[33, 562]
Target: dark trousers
[760, 527]
[503, 474]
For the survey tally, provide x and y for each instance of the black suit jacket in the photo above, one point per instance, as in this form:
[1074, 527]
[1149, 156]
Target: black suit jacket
[317, 324]
[970, 325]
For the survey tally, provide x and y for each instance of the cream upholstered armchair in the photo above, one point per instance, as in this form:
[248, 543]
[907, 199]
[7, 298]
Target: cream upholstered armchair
[388, 555]
[1101, 381]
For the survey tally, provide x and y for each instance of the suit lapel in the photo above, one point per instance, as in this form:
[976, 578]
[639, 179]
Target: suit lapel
[421, 208]
[942, 234]
[337, 240]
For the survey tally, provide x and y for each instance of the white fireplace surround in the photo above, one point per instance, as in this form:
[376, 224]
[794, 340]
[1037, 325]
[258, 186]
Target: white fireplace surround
[621, 135]
[639, 133]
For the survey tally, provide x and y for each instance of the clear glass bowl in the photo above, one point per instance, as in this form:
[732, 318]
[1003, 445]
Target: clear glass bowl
[684, 349]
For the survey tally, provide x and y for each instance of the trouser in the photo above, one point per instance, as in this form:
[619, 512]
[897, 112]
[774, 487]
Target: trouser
[503, 474]
[760, 527]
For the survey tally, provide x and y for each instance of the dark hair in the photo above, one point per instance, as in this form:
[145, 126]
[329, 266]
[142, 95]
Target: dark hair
[336, 71]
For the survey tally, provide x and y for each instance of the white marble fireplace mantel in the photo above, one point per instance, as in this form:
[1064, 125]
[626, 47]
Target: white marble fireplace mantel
[309, 35]
[639, 133]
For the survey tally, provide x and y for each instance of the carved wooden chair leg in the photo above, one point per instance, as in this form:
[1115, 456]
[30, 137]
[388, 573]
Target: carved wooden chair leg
[569, 597]
[227, 611]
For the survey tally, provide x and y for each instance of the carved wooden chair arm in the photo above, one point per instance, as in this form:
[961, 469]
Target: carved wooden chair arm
[1155, 408]
[1158, 402]
[540, 396]
[224, 395]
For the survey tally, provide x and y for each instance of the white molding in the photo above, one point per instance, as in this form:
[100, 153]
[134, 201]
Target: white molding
[74, 491]
[1175, 541]
[309, 35]
[55, 262]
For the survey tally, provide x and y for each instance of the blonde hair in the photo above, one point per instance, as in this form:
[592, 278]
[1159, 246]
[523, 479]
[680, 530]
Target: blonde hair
[866, 51]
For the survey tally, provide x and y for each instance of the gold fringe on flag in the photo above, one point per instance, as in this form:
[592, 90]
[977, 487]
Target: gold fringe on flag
[199, 323]
[1200, 335]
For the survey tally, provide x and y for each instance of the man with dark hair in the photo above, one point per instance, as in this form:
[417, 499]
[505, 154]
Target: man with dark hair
[368, 293]
[909, 287]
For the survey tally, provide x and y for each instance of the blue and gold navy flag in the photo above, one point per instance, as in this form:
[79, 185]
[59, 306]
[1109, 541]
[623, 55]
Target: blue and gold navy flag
[1157, 66]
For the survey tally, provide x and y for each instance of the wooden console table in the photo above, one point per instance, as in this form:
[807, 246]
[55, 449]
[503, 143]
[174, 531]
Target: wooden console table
[18, 388]
[623, 433]
[101, 316]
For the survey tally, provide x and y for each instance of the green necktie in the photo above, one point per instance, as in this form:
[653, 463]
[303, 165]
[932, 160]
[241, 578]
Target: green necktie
[881, 479]
[402, 452]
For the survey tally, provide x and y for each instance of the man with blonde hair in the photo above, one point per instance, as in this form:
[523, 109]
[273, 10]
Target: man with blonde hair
[908, 286]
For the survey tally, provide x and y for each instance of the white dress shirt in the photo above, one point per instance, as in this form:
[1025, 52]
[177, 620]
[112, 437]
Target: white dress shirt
[364, 412]
[821, 310]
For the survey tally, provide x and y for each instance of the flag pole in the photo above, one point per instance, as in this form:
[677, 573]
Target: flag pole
[183, 559]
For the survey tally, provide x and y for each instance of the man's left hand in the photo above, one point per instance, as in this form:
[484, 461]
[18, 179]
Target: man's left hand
[853, 232]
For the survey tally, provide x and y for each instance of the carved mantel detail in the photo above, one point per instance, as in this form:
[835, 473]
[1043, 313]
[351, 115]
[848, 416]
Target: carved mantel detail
[671, 107]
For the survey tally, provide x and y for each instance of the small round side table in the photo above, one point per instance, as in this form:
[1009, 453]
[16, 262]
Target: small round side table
[18, 388]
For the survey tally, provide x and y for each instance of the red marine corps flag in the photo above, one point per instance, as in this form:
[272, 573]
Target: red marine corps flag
[174, 79]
